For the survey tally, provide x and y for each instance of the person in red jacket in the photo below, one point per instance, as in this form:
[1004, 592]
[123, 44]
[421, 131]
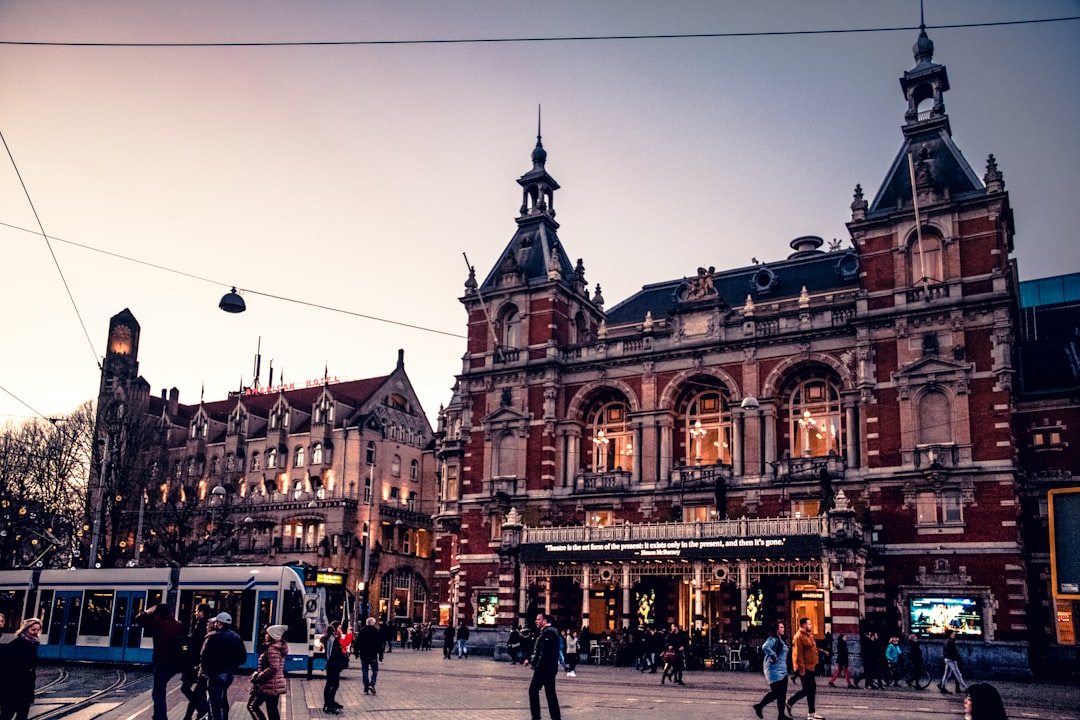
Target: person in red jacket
[168, 635]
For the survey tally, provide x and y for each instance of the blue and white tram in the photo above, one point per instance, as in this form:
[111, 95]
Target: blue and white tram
[87, 614]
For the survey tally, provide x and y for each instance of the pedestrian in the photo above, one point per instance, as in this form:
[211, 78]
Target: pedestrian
[268, 680]
[667, 658]
[952, 664]
[335, 662]
[873, 657]
[369, 649]
[19, 678]
[192, 683]
[223, 652]
[448, 641]
[892, 662]
[545, 665]
[571, 653]
[346, 643]
[842, 661]
[463, 641]
[984, 703]
[680, 640]
[775, 651]
[915, 660]
[167, 660]
[805, 660]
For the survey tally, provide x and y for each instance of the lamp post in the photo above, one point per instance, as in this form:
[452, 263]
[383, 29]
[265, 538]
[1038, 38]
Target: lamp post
[697, 432]
[217, 497]
[365, 590]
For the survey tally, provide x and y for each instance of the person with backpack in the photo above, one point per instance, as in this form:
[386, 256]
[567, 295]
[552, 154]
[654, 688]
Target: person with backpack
[168, 634]
[223, 653]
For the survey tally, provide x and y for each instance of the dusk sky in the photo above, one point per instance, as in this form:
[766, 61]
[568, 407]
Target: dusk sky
[355, 176]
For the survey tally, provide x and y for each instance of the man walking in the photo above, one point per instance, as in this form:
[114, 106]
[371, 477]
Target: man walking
[952, 664]
[222, 653]
[805, 663]
[167, 660]
[369, 647]
[463, 641]
[545, 665]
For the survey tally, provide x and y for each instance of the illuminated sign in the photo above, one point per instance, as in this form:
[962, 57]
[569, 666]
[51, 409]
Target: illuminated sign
[699, 548]
[285, 387]
[329, 578]
[932, 616]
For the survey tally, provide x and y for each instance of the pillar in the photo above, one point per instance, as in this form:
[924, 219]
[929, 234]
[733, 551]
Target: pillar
[699, 611]
[626, 606]
[585, 595]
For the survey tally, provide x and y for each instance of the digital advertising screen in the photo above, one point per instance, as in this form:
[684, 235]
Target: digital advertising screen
[932, 616]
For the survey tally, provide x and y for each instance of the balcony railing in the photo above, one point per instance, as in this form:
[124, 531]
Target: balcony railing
[809, 468]
[699, 476]
[409, 517]
[945, 455]
[741, 528]
[928, 292]
[603, 482]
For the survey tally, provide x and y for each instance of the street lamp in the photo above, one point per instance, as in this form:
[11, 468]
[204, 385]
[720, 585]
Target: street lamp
[697, 432]
[217, 498]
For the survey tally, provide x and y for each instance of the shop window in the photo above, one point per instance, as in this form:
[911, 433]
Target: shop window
[708, 429]
[613, 447]
[814, 418]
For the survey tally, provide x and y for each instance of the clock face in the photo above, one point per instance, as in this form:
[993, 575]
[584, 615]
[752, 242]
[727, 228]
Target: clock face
[120, 340]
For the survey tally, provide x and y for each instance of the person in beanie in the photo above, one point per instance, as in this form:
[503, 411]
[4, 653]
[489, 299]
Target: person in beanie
[19, 677]
[268, 680]
[223, 652]
[168, 634]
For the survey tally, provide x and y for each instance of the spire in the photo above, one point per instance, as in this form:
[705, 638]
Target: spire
[926, 81]
[538, 187]
[539, 154]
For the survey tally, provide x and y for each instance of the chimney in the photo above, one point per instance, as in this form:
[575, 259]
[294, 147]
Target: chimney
[401, 358]
[174, 402]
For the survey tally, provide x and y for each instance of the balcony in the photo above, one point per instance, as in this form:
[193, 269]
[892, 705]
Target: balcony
[689, 477]
[941, 455]
[927, 293]
[406, 516]
[804, 469]
[603, 482]
[741, 528]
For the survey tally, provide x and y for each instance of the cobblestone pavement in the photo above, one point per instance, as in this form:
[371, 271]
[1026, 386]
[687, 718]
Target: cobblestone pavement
[421, 685]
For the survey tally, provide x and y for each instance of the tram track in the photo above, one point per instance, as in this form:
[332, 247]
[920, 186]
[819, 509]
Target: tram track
[121, 681]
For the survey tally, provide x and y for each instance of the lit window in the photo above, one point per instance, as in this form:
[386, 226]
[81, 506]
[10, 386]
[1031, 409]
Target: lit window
[613, 447]
[814, 419]
[943, 509]
[317, 454]
[256, 462]
[271, 459]
[298, 457]
[708, 429]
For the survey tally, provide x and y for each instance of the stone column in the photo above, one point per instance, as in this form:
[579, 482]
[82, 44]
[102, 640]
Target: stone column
[699, 611]
[851, 436]
[744, 589]
[585, 594]
[738, 421]
[626, 606]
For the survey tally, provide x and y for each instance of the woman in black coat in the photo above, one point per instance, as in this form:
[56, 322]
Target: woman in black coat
[20, 676]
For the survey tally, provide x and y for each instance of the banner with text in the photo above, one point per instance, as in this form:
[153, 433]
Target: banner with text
[790, 546]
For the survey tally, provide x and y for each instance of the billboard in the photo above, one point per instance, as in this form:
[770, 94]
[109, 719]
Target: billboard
[1064, 506]
[932, 616]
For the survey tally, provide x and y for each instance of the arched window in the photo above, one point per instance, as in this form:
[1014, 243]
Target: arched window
[510, 320]
[504, 462]
[369, 456]
[935, 418]
[298, 457]
[814, 418]
[926, 265]
[256, 462]
[230, 462]
[271, 459]
[708, 429]
[414, 470]
[395, 466]
[316, 454]
[613, 447]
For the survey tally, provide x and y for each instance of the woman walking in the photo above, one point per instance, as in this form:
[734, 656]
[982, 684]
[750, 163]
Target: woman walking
[776, 671]
[842, 662]
[571, 653]
[19, 678]
[335, 661]
[268, 680]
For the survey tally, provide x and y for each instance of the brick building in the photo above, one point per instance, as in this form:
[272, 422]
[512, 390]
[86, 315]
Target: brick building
[830, 434]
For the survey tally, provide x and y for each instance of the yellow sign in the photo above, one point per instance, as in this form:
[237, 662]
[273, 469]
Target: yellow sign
[329, 578]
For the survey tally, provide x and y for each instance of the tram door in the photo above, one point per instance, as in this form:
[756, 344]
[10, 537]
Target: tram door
[64, 623]
[125, 637]
[267, 612]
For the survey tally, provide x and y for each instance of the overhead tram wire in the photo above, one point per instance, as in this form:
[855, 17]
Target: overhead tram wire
[193, 276]
[55, 260]
[535, 39]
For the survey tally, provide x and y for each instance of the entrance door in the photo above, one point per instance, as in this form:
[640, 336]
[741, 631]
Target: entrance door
[125, 638]
[64, 625]
[808, 602]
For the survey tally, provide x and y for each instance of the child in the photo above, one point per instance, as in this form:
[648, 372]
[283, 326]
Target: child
[668, 659]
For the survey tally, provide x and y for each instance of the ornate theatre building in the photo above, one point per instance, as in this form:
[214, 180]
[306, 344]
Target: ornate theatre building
[825, 435]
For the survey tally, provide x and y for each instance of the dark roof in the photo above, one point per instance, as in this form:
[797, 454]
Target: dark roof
[950, 171]
[818, 272]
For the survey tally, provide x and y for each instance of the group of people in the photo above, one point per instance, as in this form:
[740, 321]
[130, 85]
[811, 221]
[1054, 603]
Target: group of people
[456, 640]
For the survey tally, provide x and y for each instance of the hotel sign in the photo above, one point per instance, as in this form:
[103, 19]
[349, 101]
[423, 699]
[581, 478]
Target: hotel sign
[688, 549]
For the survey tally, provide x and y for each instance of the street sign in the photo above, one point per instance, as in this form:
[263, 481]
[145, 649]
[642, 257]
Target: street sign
[312, 606]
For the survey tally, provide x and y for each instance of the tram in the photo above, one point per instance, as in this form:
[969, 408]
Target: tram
[87, 614]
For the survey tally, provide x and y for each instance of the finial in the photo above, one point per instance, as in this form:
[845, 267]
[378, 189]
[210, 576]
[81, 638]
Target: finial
[995, 181]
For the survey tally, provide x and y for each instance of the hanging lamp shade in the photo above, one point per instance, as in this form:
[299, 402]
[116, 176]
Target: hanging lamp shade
[231, 302]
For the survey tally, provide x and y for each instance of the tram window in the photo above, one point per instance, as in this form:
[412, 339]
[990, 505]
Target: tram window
[266, 614]
[11, 607]
[45, 607]
[154, 597]
[97, 613]
[292, 614]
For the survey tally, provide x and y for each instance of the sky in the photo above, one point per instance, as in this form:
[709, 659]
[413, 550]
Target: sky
[354, 177]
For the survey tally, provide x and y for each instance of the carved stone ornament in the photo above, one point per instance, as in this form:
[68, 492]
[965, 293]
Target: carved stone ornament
[701, 286]
[942, 574]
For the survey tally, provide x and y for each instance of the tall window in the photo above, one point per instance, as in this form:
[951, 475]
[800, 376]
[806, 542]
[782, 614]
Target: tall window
[708, 429]
[414, 470]
[814, 418]
[369, 454]
[298, 457]
[506, 451]
[935, 418]
[613, 447]
[256, 462]
[927, 264]
[317, 454]
[367, 489]
[395, 466]
[271, 459]
[511, 327]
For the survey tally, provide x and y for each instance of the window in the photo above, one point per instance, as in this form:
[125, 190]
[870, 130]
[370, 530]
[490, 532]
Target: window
[369, 455]
[1047, 438]
[256, 462]
[395, 493]
[298, 457]
[450, 485]
[511, 327]
[412, 501]
[943, 509]
[805, 508]
[230, 462]
[395, 466]
[613, 447]
[935, 418]
[271, 459]
[414, 470]
[298, 489]
[708, 429]
[814, 418]
[505, 456]
[698, 513]
[496, 525]
[317, 454]
[927, 265]
[367, 489]
[599, 518]
[214, 465]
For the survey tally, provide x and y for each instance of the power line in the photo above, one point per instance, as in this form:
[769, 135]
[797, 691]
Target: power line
[219, 283]
[533, 39]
